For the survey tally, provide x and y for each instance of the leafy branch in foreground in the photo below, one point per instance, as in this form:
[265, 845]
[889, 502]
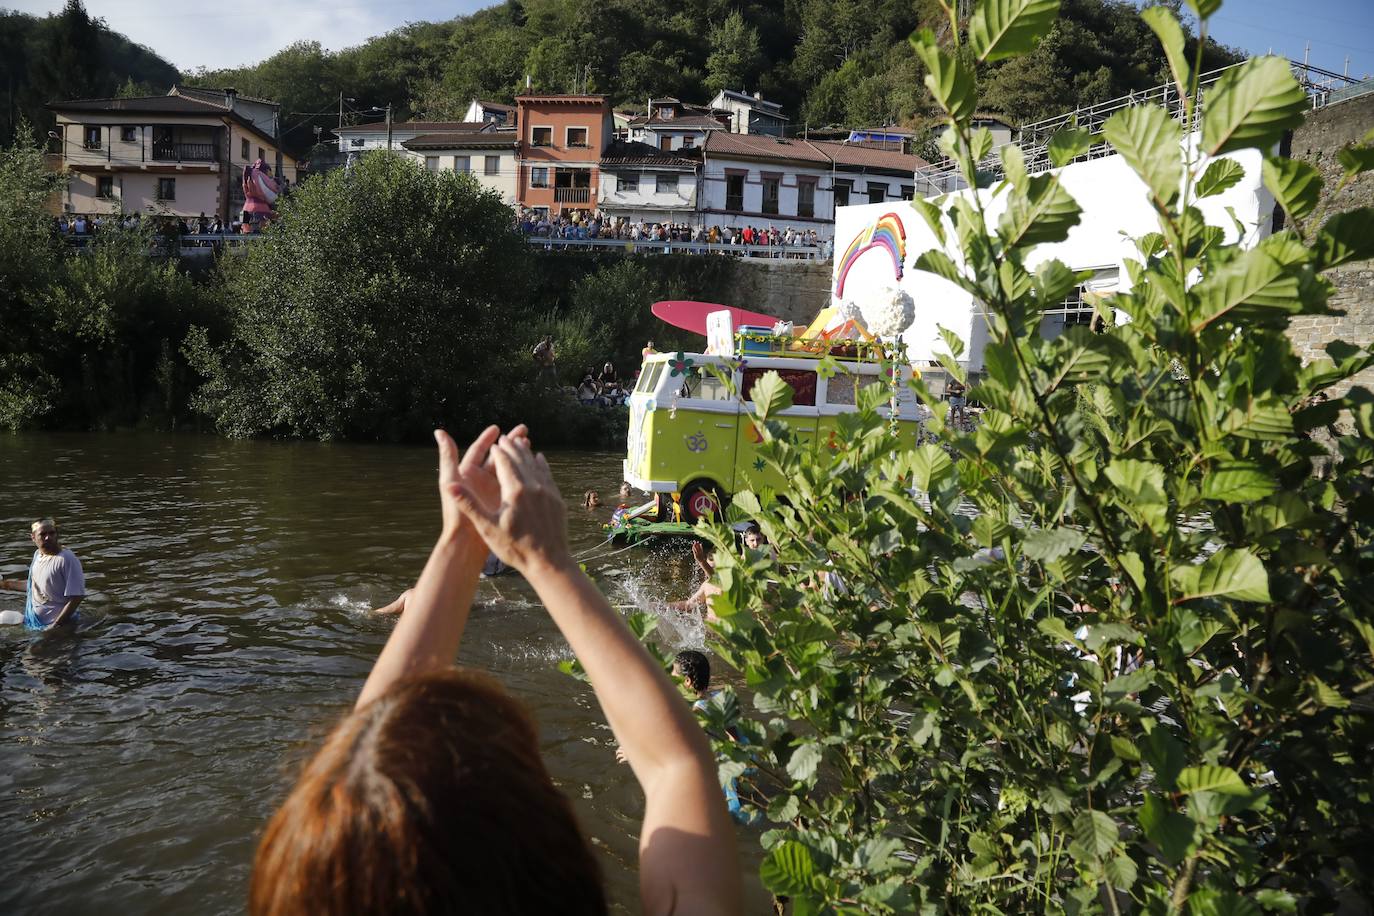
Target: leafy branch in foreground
[1112, 651]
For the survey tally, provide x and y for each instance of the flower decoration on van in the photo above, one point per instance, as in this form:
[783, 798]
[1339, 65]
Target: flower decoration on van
[681, 364]
[826, 367]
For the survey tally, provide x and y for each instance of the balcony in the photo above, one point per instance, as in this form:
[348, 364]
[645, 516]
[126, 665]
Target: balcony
[185, 152]
[572, 195]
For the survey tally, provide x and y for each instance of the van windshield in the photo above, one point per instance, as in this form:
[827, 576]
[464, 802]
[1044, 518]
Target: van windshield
[648, 379]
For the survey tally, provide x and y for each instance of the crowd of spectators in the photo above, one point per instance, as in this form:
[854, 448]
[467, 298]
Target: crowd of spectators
[81, 226]
[588, 225]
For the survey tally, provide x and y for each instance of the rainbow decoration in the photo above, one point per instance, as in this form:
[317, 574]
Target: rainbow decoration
[889, 233]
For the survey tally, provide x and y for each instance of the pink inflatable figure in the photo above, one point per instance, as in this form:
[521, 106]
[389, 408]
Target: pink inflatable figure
[259, 193]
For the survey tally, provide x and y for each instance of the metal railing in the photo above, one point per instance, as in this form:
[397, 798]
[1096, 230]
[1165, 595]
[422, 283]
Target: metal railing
[779, 252]
[185, 152]
[1322, 87]
[572, 195]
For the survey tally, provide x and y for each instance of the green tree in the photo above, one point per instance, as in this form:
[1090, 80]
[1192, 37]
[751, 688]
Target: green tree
[1113, 650]
[734, 60]
[376, 308]
[29, 254]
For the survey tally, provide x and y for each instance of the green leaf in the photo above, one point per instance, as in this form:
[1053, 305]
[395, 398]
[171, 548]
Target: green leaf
[1150, 142]
[929, 463]
[1295, 185]
[1141, 480]
[1164, 24]
[788, 869]
[1355, 159]
[1256, 279]
[770, 395]
[931, 214]
[1275, 900]
[1221, 175]
[1164, 754]
[1172, 832]
[1346, 237]
[1211, 779]
[1095, 832]
[1009, 28]
[1041, 211]
[1068, 144]
[1125, 685]
[1052, 543]
[1203, 9]
[1121, 869]
[801, 766]
[783, 808]
[1237, 482]
[1228, 573]
[1252, 105]
[948, 78]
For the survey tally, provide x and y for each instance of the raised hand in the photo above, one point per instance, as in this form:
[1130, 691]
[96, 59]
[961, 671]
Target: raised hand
[525, 521]
[473, 472]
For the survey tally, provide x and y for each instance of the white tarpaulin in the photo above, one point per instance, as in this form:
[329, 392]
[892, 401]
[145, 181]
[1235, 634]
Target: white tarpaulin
[876, 245]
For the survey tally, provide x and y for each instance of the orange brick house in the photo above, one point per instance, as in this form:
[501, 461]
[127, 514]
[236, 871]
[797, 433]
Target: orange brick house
[561, 141]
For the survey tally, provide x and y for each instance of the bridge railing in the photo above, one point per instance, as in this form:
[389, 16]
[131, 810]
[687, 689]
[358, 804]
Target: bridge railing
[782, 252]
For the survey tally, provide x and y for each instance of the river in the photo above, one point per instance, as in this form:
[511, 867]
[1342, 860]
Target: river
[226, 629]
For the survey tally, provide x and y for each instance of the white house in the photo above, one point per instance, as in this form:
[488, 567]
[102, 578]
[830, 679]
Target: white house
[487, 155]
[673, 125]
[751, 114]
[642, 183]
[765, 181]
[877, 244]
[359, 138]
[498, 113]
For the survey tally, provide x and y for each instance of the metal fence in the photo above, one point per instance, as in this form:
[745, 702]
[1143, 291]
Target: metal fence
[1323, 88]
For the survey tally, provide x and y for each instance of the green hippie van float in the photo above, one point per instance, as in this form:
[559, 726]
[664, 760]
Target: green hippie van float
[693, 440]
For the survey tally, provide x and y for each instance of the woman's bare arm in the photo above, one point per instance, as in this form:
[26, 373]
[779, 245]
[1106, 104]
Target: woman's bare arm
[428, 634]
[688, 861]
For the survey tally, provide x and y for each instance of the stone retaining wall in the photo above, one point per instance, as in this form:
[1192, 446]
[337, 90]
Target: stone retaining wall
[792, 290]
[1317, 141]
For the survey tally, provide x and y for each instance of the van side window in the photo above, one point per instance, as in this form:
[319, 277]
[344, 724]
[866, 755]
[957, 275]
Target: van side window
[842, 388]
[803, 382]
[704, 386]
[648, 379]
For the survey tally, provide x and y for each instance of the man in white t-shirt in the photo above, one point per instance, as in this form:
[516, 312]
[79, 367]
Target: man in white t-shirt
[56, 583]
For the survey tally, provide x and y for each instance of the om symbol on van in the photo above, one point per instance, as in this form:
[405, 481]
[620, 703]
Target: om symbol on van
[696, 442]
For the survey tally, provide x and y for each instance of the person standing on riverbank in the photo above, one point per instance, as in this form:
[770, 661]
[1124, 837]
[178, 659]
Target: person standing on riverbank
[433, 793]
[56, 584]
[546, 372]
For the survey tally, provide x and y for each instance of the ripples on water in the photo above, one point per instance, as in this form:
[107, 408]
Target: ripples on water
[227, 627]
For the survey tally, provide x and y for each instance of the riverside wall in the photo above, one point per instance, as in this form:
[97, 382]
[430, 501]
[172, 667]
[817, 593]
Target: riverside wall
[792, 290]
[1317, 141]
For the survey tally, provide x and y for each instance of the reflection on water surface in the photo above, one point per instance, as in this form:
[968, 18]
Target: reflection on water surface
[226, 628]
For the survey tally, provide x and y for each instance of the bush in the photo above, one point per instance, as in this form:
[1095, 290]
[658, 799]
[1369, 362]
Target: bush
[377, 308]
[1112, 651]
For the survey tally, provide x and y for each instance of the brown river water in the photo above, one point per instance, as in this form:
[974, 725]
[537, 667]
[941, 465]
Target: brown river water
[226, 628]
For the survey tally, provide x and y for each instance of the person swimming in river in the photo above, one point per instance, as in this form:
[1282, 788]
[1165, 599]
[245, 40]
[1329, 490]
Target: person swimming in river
[491, 567]
[591, 499]
[700, 600]
[431, 795]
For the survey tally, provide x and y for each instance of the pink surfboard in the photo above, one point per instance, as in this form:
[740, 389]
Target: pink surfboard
[690, 315]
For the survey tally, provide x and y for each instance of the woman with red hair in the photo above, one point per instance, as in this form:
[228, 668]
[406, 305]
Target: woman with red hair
[431, 796]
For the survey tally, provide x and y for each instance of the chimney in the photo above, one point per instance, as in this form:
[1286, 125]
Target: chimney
[231, 97]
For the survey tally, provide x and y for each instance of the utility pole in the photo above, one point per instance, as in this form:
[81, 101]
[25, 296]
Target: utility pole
[388, 126]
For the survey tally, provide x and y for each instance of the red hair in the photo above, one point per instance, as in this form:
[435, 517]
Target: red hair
[431, 799]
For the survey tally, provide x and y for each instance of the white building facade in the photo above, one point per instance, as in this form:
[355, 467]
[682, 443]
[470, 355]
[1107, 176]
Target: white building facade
[764, 182]
[643, 184]
[488, 156]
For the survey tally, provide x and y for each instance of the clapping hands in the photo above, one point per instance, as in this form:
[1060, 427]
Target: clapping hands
[508, 495]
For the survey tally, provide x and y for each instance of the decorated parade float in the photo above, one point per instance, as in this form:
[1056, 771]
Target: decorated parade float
[693, 438]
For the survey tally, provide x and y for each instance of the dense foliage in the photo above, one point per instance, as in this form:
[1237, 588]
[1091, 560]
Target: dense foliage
[89, 339]
[68, 55]
[841, 62]
[1113, 650]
